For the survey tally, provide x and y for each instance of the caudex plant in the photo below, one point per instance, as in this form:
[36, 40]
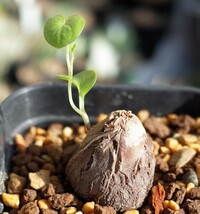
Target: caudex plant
[114, 165]
[62, 32]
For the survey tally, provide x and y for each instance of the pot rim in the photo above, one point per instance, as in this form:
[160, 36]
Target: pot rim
[170, 88]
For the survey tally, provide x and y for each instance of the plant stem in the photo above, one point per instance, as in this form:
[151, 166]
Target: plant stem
[80, 111]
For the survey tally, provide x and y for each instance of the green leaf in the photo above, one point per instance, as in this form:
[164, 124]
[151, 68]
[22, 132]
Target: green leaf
[84, 81]
[60, 31]
[65, 77]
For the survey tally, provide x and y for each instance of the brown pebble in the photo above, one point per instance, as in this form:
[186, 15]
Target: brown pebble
[50, 167]
[192, 206]
[48, 190]
[24, 171]
[21, 159]
[30, 208]
[170, 189]
[16, 183]
[161, 165]
[39, 160]
[28, 195]
[60, 200]
[147, 210]
[35, 150]
[48, 211]
[179, 195]
[168, 211]
[103, 209]
[33, 166]
[68, 151]
[155, 127]
[194, 193]
[169, 177]
[54, 151]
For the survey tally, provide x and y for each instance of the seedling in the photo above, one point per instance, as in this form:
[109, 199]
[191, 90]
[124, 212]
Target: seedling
[60, 32]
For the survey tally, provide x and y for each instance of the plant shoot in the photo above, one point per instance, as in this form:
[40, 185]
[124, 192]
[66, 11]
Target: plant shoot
[60, 32]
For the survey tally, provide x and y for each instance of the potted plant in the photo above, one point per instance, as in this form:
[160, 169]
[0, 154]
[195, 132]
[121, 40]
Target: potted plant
[101, 176]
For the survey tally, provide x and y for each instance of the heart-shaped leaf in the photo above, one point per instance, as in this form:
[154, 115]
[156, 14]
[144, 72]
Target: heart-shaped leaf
[84, 81]
[60, 31]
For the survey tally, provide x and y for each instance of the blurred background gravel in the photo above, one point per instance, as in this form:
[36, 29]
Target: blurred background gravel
[126, 42]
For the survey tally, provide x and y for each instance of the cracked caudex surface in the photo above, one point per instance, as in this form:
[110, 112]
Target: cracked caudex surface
[115, 164]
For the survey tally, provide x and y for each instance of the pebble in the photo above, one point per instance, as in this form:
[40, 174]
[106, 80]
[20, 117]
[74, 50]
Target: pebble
[39, 179]
[182, 157]
[16, 183]
[43, 204]
[187, 139]
[1, 207]
[54, 151]
[11, 200]
[198, 171]
[190, 177]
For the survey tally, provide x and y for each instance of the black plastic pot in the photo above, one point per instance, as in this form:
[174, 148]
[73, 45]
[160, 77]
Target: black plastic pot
[45, 103]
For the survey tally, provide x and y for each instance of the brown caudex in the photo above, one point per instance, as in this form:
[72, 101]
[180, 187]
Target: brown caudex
[115, 164]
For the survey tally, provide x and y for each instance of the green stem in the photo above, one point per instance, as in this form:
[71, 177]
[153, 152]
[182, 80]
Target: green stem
[82, 108]
[80, 111]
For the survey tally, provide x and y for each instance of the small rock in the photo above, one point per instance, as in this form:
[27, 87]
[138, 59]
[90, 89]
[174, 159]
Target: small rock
[181, 211]
[192, 206]
[28, 195]
[11, 200]
[50, 167]
[20, 143]
[39, 179]
[103, 209]
[24, 171]
[168, 211]
[187, 139]
[21, 159]
[30, 208]
[43, 204]
[68, 151]
[1, 207]
[67, 133]
[190, 177]
[48, 190]
[182, 157]
[183, 123]
[198, 169]
[54, 152]
[169, 177]
[155, 127]
[147, 210]
[33, 166]
[29, 138]
[170, 189]
[194, 193]
[35, 150]
[55, 129]
[161, 165]
[179, 195]
[60, 200]
[16, 183]
[48, 211]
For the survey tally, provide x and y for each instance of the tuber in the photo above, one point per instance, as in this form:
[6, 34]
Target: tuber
[114, 165]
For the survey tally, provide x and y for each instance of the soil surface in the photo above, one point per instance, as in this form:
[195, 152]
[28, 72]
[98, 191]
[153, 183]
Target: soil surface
[37, 181]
